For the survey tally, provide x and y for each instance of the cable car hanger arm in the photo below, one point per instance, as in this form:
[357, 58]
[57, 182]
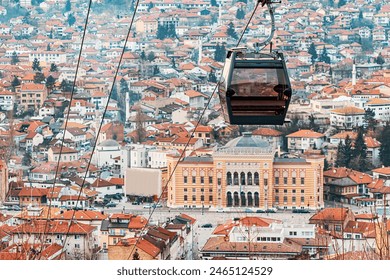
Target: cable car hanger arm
[271, 11]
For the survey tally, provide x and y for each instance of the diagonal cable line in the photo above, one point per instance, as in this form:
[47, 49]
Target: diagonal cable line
[66, 122]
[101, 122]
[189, 139]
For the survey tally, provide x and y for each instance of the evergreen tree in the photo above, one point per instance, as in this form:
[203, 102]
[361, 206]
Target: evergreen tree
[14, 58]
[340, 159]
[66, 86]
[361, 15]
[161, 32]
[123, 90]
[231, 31]
[53, 68]
[369, 119]
[213, 3]
[324, 56]
[379, 59]
[313, 53]
[26, 160]
[348, 151]
[220, 53]
[68, 6]
[312, 124]
[39, 78]
[50, 81]
[156, 70]
[384, 150]
[212, 78]
[359, 161]
[48, 48]
[114, 93]
[15, 82]
[171, 31]
[71, 19]
[240, 14]
[151, 56]
[143, 55]
[36, 65]
[342, 3]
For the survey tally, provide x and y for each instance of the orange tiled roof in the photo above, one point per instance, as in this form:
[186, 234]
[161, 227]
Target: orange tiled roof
[348, 111]
[306, 133]
[330, 214]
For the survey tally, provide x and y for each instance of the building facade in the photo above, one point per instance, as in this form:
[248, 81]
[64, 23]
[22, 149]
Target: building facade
[246, 173]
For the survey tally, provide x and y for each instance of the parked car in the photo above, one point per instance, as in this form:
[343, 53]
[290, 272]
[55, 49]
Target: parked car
[220, 210]
[260, 211]
[300, 211]
[248, 210]
[110, 204]
[207, 225]
[158, 205]
[15, 208]
[3, 207]
[147, 206]
[135, 203]
[270, 210]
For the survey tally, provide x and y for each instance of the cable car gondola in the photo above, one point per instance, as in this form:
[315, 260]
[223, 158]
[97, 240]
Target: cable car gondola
[255, 88]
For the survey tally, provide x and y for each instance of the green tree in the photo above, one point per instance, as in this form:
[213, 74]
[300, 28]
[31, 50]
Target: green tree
[344, 153]
[161, 32]
[68, 6]
[213, 3]
[340, 158]
[36, 65]
[359, 161]
[143, 55]
[15, 82]
[379, 59]
[384, 150]
[156, 70]
[66, 86]
[14, 58]
[53, 68]
[26, 160]
[48, 48]
[369, 119]
[50, 81]
[342, 3]
[220, 53]
[39, 78]
[312, 124]
[171, 31]
[324, 56]
[312, 51]
[151, 56]
[71, 19]
[348, 151]
[240, 14]
[212, 78]
[231, 31]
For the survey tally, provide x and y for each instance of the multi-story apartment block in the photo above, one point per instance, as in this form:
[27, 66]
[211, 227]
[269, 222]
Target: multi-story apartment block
[32, 96]
[347, 118]
[246, 173]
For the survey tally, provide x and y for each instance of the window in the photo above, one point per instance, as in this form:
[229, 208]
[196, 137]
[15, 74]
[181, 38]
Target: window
[219, 182]
[185, 180]
[249, 178]
[294, 199]
[294, 180]
[276, 180]
[193, 179]
[256, 178]
[337, 228]
[302, 199]
[194, 198]
[276, 198]
[185, 197]
[211, 190]
[302, 181]
[202, 197]
[185, 189]
[210, 198]
[294, 191]
[285, 190]
[202, 180]
[285, 180]
[77, 236]
[210, 179]
[193, 189]
[302, 191]
[265, 182]
[276, 191]
[284, 198]
[77, 246]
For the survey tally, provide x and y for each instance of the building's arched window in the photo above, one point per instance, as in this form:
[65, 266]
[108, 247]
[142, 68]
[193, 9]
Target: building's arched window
[236, 199]
[242, 177]
[235, 178]
[229, 199]
[229, 178]
[243, 199]
[256, 178]
[257, 200]
[250, 182]
[250, 199]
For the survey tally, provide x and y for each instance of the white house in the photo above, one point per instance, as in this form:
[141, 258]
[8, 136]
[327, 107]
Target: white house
[347, 117]
[381, 108]
[304, 140]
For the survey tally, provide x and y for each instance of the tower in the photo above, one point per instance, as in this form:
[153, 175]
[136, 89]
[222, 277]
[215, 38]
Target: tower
[354, 73]
[127, 107]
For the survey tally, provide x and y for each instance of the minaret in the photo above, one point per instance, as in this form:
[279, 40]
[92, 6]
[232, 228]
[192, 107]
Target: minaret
[127, 107]
[219, 14]
[354, 73]
[200, 51]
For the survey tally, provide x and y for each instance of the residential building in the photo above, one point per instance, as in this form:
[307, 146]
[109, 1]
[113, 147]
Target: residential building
[31, 96]
[304, 140]
[347, 117]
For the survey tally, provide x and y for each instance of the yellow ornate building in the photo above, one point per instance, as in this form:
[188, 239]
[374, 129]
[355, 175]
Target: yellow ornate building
[246, 173]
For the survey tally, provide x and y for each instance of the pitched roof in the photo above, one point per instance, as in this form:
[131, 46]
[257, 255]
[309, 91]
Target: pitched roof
[349, 111]
[330, 214]
[306, 133]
